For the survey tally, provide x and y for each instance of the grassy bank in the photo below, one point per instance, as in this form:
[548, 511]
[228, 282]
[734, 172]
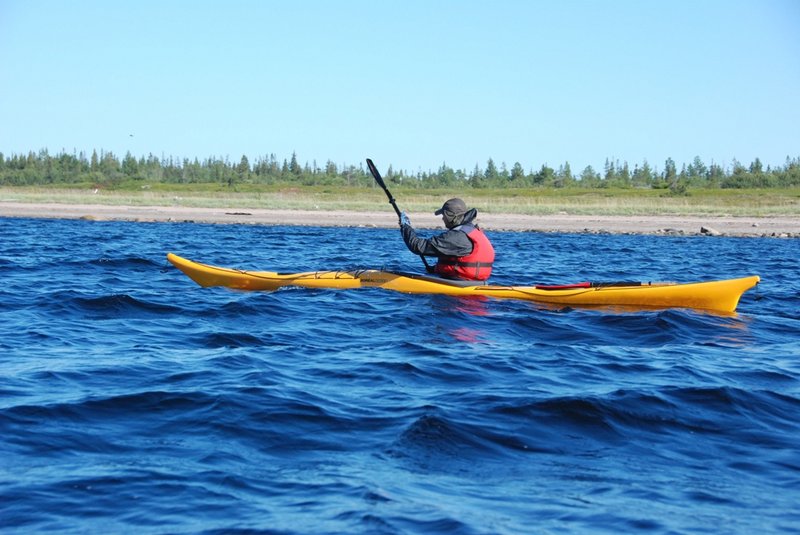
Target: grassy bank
[749, 202]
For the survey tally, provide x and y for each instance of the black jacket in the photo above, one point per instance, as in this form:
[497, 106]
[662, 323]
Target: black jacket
[448, 243]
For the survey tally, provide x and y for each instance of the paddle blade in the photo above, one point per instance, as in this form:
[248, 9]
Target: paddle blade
[375, 174]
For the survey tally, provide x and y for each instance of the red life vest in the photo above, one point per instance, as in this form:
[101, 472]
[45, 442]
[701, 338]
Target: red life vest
[475, 266]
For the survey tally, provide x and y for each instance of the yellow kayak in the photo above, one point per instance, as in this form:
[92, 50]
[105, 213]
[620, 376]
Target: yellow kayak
[721, 296]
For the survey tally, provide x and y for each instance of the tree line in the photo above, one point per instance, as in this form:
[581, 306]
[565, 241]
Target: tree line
[105, 169]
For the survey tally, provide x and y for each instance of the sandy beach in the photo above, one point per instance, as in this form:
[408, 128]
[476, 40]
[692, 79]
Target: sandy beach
[778, 227]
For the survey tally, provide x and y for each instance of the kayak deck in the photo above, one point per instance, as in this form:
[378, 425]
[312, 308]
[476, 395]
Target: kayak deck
[721, 296]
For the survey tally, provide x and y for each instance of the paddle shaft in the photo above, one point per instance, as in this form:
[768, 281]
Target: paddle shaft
[377, 176]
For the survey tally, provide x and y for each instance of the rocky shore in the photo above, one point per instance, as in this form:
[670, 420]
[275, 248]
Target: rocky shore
[666, 225]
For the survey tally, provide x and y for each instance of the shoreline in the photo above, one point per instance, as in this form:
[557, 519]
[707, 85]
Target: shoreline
[667, 225]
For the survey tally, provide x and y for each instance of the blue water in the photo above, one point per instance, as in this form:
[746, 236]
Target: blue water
[132, 400]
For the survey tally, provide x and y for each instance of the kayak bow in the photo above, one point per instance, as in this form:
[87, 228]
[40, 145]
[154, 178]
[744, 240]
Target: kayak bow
[721, 296]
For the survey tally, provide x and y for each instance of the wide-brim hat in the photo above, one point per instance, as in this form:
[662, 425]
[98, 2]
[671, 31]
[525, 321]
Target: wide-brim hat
[452, 208]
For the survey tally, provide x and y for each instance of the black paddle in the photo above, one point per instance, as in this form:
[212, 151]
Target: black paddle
[377, 176]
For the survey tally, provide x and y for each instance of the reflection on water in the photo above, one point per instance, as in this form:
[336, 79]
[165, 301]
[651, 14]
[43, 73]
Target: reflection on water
[472, 336]
[474, 305]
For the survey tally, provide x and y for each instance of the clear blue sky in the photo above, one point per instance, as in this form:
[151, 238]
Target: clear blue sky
[412, 83]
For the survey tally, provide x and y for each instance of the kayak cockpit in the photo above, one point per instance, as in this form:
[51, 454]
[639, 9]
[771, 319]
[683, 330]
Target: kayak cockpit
[439, 280]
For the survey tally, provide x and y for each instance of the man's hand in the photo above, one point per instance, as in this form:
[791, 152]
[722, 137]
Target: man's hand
[404, 220]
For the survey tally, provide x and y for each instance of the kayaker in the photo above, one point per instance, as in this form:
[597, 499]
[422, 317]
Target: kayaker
[463, 251]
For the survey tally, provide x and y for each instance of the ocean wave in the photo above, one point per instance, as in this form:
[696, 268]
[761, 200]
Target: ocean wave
[133, 400]
[129, 262]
